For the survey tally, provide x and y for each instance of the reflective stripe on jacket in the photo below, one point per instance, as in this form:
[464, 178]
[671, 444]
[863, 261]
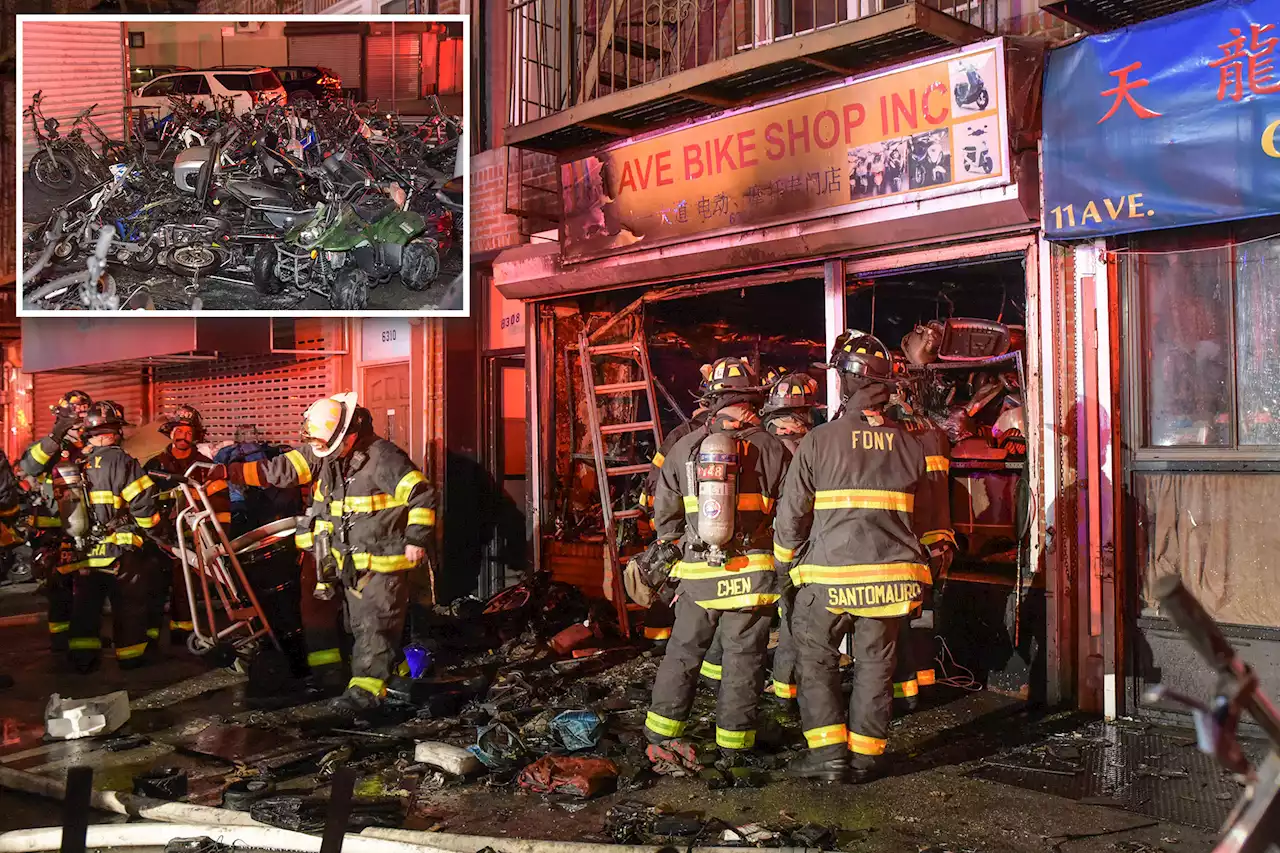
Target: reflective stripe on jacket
[373, 503]
[746, 579]
[122, 499]
[846, 518]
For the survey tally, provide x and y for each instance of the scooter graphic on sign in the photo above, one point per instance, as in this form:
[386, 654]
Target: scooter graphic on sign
[972, 92]
[977, 153]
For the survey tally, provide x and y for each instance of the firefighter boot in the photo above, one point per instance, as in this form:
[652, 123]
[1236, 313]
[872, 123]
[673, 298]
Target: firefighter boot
[824, 764]
[355, 700]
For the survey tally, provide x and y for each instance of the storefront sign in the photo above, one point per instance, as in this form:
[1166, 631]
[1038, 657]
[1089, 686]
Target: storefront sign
[385, 340]
[506, 321]
[914, 132]
[1172, 122]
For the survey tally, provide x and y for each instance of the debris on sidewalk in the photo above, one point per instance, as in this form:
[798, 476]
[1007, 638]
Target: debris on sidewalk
[161, 783]
[577, 730]
[71, 719]
[579, 777]
[497, 747]
[446, 757]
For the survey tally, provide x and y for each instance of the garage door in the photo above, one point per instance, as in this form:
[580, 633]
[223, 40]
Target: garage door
[407, 56]
[129, 389]
[340, 53]
[252, 398]
[75, 64]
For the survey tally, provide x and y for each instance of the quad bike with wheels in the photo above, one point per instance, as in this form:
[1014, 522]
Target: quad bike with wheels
[358, 238]
[225, 614]
[1254, 825]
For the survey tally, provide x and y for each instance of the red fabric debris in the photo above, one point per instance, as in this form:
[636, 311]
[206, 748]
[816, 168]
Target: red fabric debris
[562, 774]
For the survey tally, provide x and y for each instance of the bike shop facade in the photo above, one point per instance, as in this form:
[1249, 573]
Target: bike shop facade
[764, 232]
[1164, 190]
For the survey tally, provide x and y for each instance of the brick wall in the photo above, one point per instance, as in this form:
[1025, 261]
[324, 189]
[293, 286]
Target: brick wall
[493, 186]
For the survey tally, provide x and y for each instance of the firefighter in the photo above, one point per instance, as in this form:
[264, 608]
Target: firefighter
[914, 672]
[788, 414]
[10, 506]
[62, 444]
[722, 513]
[844, 536]
[788, 411]
[184, 430]
[372, 517]
[123, 506]
[659, 618]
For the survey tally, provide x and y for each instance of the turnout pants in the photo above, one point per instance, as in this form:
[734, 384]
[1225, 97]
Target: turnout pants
[376, 611]
[818, 632]
[59, 589]
[785, 676]
[167, 584]
[321, 627]
[745, 638]
[126, 585]
[914, 669]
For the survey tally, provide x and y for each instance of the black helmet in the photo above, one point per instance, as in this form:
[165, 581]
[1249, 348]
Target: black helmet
[863, 355]
[731, 375]
[772, 375]
[792, 392]
[73, 405]
[185, 415]
[104, 416]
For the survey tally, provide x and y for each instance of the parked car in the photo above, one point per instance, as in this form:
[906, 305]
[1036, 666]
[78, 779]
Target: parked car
[309, 82]
[144, 74]
[246, 86]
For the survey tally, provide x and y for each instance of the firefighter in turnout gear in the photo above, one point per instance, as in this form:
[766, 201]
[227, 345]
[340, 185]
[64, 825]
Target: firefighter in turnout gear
[660, 617]
[717, 493]
[372, 516]
[185, 430]
[62, 444]
[123, 506]
[10, 506]
[788, 414]
[845, 536]
[914, 671]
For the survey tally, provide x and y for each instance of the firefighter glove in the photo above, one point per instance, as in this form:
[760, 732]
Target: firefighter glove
[656, 562]
[62, 426]
[940, 561]
[209, 475]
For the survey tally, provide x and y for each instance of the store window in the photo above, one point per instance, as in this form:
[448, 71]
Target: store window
[1208, 313]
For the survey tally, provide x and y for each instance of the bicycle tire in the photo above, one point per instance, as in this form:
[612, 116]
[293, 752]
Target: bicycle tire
[45, 163]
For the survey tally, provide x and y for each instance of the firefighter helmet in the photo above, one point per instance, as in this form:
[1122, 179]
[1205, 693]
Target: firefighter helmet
[864, 355]
[792, 393]
[732, 375]
[73, 405]
[773, 374]
[188, 416]
[104, 416]
[327, 422]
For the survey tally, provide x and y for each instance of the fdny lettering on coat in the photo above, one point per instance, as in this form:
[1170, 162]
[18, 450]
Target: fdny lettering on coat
[733, 586]
[873, 595]
[865, 439]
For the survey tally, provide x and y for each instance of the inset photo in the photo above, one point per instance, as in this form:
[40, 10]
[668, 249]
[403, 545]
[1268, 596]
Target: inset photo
[292, 166]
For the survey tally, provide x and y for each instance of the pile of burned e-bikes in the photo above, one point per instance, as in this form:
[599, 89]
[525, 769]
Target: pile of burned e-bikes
[333, 198]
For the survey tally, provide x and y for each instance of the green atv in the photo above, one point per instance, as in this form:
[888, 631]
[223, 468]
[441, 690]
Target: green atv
[358, 238]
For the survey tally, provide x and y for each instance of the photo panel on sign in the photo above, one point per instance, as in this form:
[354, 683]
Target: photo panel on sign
[278, 165]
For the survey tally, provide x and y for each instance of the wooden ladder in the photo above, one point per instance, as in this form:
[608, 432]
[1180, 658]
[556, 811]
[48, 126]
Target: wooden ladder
[636, 350]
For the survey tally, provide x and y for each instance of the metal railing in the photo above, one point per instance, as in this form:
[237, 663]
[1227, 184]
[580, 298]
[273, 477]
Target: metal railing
[568, 52]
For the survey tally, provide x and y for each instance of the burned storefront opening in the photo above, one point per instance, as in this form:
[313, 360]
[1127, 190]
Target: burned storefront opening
[957, 331]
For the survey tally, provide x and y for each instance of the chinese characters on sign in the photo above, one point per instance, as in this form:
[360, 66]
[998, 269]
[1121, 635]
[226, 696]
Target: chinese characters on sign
[911, 133]
[1190, 109]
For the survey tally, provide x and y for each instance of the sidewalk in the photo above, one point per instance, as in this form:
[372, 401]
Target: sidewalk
[937, 799]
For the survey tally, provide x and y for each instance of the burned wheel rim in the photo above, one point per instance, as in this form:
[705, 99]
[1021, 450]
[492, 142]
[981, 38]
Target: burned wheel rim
[193, 259]
[53, 171]
[419, 265]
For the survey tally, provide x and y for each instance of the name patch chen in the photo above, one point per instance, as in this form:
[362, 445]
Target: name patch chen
[874, 595]
[732, 587]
